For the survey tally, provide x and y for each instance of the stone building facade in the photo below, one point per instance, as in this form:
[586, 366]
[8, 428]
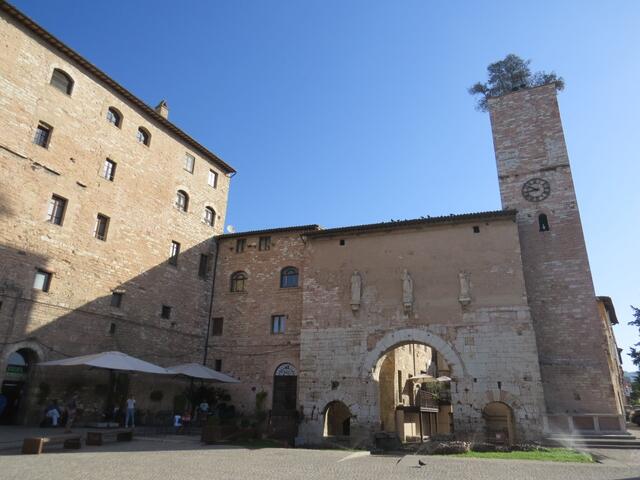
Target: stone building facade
[111, 217]
[70, 151]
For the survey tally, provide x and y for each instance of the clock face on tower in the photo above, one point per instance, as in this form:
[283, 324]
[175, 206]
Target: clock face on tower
[536, 189]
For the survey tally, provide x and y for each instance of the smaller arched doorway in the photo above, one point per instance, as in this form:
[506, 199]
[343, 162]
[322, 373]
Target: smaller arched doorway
[499, 423]
[283, 420]
[337, 420]
[14, 386]
[285, 386]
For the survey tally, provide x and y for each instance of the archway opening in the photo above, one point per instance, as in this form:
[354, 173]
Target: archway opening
[337, 420]
[499, 423]
[414, 383]
[15, 385]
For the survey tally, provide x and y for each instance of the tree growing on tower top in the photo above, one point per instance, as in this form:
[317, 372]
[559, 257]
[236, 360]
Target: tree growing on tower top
[509, 75]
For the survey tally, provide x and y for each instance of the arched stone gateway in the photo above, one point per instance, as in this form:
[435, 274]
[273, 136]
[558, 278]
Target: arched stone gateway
[415, 373]
[373, 360]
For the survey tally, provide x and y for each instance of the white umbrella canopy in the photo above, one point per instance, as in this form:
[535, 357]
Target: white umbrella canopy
[195, 370]
[109, 361]
[429, 378]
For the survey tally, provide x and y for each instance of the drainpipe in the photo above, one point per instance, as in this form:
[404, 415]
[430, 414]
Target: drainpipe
[213, 286]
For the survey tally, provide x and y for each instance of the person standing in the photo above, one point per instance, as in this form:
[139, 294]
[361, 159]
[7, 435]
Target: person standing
[131, 409]
[53, 413]
[72, 411]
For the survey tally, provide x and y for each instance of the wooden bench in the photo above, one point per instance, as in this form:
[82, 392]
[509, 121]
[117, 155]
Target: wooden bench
[96, 437]
[34, 445]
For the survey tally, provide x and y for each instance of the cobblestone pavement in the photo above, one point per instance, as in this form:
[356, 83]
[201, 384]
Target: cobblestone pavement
[167, 459]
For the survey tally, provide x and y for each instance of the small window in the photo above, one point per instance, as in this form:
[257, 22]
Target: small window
[166, 311]
[109, 170]
[342, 242]
[476, 229]
[114, 117]
[543, 222]
[277, 324]
[264, 243]
[116, 299]
[42, 280]
[43, 135]
[143, 136]
[62, 81]
[182, 200]
[57, 207]
[289, 277]
[209, 216]
[218, 365]
[102, 226]
[173, 255]
[217, 324]
[203, 266]
[213, 179]
[238, 282]
[240, 244]
[112, 328]
[189, 161]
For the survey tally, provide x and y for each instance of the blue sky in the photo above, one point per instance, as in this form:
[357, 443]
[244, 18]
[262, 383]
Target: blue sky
[347, 112]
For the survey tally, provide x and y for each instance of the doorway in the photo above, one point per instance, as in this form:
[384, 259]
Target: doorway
[14, 387]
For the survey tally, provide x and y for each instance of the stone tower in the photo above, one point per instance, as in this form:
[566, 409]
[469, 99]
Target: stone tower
[535, 179]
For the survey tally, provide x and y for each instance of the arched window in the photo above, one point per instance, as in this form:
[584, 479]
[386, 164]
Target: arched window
[543, 222]
[289, 277]
[182, 200]
[209, 216]
[62, 81]
[238, 281]
[114, 117]
[143, 136]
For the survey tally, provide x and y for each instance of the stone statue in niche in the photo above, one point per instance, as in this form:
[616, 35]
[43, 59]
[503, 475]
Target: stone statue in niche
[407, 291]
[356, 290]
[465, 288]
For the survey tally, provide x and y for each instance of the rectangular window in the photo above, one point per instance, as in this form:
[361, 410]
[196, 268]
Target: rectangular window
[166, 311]
[218, 365]
[204, 263]
[277, 323]
[216, 326]
[109, 170]
[264, 243]
[240, 244]
[213, 179]
[400, 386]
[189, 161]
[116, 299]
[55, 213]
[43, 135]
[42, 280]
[102, 226]
[175, 251]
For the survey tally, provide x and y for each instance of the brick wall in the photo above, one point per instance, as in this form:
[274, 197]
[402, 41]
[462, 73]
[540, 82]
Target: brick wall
[75, 316]
[529, 143]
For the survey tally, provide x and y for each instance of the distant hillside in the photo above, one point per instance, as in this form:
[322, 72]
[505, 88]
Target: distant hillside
[631, 375]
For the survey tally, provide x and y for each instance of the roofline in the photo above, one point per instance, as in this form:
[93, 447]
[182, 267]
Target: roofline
[418, 222]
[92, 69]
[299, 228]
[608, 305]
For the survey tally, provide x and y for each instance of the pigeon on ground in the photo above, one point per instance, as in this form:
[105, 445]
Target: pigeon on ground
[421, 463]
